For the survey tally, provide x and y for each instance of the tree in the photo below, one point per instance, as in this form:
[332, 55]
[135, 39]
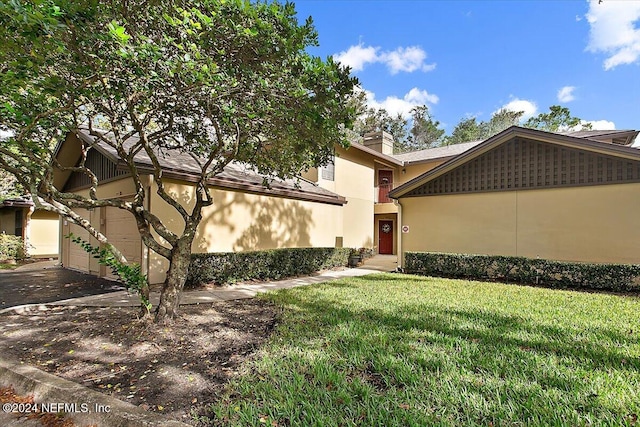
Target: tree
[418, 133]
[9, 186]
[376, 120]
[558, 119]
[469, 129]
[425, 132]
[222, 81]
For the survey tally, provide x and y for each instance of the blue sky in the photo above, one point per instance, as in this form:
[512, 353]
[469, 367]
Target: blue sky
[471, 58]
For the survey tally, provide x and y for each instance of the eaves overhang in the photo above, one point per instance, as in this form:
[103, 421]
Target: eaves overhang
[219, 182]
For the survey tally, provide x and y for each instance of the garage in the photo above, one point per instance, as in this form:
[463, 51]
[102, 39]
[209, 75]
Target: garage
[74, 256]
[122, 231]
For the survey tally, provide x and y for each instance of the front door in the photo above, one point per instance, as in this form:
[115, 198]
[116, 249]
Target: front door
[385, 237]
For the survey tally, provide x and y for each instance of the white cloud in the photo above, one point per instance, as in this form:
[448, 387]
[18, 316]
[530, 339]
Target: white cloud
[614, 31]
[566, 94]
[529, 108]
[599, 124]
[358, 56]
[402, 106]
[407, 59]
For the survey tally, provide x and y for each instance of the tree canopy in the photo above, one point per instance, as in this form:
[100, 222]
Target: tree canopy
[221, 80]
[558, 119]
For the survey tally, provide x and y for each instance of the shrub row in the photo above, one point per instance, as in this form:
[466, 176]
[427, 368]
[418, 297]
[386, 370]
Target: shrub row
[228, 267]
[11, 247]
[554, 274]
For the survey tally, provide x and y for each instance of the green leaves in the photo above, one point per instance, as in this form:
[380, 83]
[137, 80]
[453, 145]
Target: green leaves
[130, 274]
[555, 274]
[118, 32]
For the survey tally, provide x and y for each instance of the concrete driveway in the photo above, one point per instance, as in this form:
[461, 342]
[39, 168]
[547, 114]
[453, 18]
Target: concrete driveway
[43, 282]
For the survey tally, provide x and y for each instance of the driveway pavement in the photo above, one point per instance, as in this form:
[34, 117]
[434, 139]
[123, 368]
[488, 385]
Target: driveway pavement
[36, 284]
[44, 282]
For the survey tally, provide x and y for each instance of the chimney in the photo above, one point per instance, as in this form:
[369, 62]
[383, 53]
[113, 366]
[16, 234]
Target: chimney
[381, 141]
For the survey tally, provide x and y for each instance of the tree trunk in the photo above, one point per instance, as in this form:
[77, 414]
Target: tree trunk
[167, 309]
[144, 294]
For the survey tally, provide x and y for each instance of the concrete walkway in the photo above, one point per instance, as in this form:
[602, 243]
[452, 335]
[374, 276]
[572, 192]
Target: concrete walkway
[376, 264]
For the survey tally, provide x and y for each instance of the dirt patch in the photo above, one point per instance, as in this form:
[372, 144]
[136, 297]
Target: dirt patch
[175, 370]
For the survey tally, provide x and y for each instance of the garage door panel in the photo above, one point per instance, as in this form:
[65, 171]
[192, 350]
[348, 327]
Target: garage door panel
[122, 232]
[78, 258]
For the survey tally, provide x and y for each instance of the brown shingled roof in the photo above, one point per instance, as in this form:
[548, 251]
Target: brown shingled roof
[429, 154]
[235, 176]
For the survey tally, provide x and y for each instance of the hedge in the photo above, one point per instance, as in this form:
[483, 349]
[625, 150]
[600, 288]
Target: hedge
[229, 267]
[548, 273]
[11, 247]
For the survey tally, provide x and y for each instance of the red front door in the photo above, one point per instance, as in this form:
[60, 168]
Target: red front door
[385, 237]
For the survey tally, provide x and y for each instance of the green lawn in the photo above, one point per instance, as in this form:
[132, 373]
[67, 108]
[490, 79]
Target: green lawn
[399, 350]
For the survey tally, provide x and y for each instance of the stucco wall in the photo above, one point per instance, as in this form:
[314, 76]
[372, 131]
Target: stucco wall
[355, 181]
[587, 224]
[241, 221]
[413, 171]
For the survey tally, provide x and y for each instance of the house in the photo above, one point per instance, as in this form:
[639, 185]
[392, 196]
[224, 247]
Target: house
[39, 229]
[437, 199]
[245, 215]
[524, 192]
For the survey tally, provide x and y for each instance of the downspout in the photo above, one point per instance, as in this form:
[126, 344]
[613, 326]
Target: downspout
[26, 227]
[399, 250]
[61, 239]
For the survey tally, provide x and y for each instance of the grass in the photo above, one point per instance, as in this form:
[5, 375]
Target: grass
[399, 350]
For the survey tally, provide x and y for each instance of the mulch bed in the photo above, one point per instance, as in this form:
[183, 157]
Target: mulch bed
[175, 370]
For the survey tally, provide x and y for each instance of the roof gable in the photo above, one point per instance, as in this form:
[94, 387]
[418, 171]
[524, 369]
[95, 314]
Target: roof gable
[104, 167]
[521, 158]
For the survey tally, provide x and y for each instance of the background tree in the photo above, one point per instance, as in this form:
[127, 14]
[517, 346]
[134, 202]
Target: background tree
[376, 120]
[558, 119]
[469, 129]
[417, 133]
[425, 131]
[222, 81]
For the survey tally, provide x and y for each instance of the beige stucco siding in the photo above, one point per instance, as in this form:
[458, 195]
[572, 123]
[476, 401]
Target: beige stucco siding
[44, 234]
[240, 221]
[355, 181]
[474, 223]
[590, 224]
[415, 170]
[586, 224]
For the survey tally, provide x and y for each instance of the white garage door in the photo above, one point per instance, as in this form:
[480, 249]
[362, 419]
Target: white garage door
[77, 258]
[122, 232]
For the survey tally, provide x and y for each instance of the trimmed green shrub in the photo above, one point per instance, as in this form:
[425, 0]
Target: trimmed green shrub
[229, 267]
[548, 273]
[12, 247]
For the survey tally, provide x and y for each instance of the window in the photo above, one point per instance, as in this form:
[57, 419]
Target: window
[328, 170]
[18, 231]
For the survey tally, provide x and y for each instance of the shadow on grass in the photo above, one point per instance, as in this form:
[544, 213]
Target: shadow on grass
[593, 347]
[399, 350]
